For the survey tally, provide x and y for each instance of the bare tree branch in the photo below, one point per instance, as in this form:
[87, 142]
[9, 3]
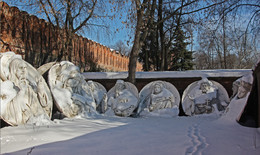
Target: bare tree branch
[54, 13]
[86, 20]
[45, 11]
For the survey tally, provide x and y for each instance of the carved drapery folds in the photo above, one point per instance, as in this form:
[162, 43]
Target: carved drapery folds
[25, 96]
[159, 98]
[70, 90]
[122, 99]
[204, 97]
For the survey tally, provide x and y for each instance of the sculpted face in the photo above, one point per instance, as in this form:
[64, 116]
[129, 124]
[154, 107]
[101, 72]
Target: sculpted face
[21, 71]
[157, 88]
[120, 86]
[204, 87]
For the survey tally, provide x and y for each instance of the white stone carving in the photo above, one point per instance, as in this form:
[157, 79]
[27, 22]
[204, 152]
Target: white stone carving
[45, 67]
[244, 86]
[235, 86]
[67, 86]
[241, 88]
[159, 98]
[204, 96]
[25, 96]
[122, 99]
[99, 93]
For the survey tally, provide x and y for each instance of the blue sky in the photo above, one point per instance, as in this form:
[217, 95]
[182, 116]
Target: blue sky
[108, 37]
[116, 31]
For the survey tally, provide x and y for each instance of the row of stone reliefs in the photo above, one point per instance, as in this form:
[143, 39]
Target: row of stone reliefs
[40, 42]
[26, 97]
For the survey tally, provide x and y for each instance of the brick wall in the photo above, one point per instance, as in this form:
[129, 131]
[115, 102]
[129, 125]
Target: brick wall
[40, 42]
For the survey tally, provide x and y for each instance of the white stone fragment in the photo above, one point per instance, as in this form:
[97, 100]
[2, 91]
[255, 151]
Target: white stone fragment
[24, 93]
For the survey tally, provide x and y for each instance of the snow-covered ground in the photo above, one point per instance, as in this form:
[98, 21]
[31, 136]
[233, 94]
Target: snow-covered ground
[203, 134]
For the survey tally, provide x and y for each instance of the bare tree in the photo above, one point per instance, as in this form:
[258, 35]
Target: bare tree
[121, 47]
[70, 17]
[143, 18]
[144, 15]
[229, 34]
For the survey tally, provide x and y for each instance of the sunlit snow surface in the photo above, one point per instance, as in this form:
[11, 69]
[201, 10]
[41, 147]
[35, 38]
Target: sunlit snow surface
[202, 134]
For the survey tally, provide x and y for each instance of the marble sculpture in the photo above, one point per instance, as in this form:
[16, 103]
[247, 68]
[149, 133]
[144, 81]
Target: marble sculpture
[99, 94]
[25, 96]
[235, 86]
[204, 97]
[244, 86]
[70, 90]
[122, 99]
[241, 88]
[159, 98]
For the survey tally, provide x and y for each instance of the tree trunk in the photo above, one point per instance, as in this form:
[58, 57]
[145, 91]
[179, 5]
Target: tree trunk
[224, 43]
[160, 28]
[157, 52]
[136, 48]
[141, 26]
[146, 61]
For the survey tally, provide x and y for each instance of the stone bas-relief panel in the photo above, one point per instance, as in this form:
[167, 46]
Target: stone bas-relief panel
[71, 92]
[235, 86]
[159, 98]
[99, 93]
[25, 96]
[122, 99]
[242, 86]
[204, 97]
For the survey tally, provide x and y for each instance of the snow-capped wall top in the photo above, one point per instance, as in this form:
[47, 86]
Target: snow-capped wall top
[170, 74]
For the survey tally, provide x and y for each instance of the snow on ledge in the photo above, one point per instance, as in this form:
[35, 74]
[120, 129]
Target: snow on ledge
[169, 74]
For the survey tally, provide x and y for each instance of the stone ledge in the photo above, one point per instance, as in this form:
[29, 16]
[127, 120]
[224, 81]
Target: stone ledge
[170, 74]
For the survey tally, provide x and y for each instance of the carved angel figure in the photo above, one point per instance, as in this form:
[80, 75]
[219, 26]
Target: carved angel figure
[24, 94]
[204, 96]
[122, 99]
[66, 84]
[159, 98]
